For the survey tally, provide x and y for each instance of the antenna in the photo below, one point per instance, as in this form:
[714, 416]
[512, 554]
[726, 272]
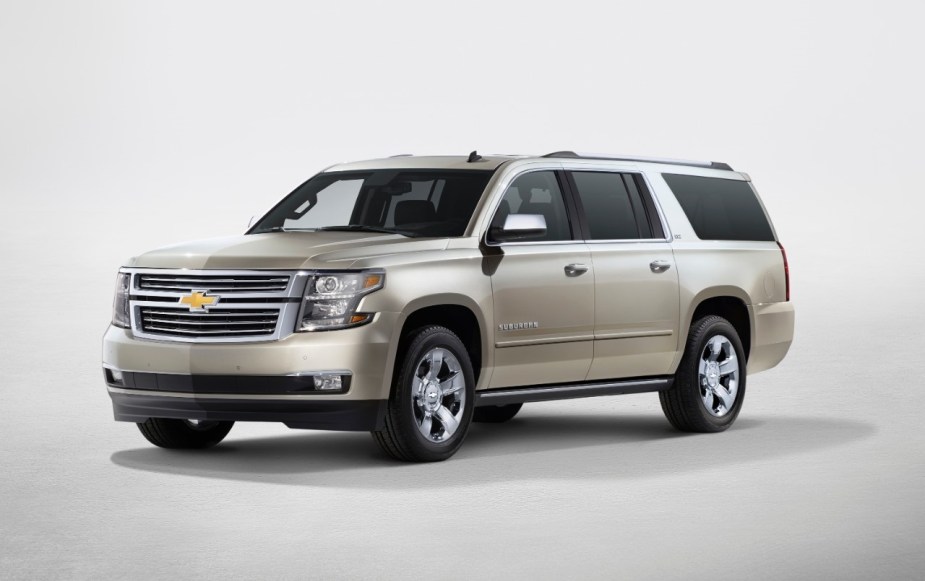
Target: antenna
[474, 156]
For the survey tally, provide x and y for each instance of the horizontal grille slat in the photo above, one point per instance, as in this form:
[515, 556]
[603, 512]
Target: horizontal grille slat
[176, 321]
[207, 314]
[216, 283]
[211, 333]
[212, 323]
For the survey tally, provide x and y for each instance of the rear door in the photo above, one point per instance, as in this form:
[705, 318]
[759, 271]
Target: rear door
[636, 300]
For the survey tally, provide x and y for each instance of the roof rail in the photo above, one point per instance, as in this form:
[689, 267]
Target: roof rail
[573, 155]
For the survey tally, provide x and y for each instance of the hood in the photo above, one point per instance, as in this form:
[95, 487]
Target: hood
[284, 251]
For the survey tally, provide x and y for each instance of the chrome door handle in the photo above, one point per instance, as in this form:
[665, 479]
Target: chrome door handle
[658, 266]
[575, 269]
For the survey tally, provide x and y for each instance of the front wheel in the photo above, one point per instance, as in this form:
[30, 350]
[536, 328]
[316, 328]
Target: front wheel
[432, 399]
[184, 434]
[709, 386]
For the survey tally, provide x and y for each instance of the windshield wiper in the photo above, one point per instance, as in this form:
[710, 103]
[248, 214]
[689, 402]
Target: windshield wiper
[281, 229]
[363, 228]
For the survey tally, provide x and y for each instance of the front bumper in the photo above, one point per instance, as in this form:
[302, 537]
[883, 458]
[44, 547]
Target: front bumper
[139, 405]
[270, 381]
[363, 352]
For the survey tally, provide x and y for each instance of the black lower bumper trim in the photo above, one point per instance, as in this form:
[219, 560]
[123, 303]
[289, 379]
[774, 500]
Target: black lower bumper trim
[231, 384]
[355, 415]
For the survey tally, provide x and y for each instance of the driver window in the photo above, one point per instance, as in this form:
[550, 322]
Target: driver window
[536, 193]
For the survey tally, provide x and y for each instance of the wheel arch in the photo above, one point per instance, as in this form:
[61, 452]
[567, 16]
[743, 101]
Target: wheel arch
[459, 314]
[731, 303]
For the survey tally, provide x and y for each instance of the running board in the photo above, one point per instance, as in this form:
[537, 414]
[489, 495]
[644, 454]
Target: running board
[509, 395]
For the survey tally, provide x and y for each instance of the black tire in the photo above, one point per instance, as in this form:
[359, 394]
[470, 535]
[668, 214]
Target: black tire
[182, 434]
[496, 414]
[402, 438]
[684, 404]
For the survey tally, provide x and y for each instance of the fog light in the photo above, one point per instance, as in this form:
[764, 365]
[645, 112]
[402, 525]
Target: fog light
[116, 375]
[328, 382]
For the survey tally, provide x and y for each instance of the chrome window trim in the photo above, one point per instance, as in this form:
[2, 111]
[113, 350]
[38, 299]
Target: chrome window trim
[506, 182]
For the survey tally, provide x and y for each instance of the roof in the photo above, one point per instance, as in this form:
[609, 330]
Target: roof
[491, 162]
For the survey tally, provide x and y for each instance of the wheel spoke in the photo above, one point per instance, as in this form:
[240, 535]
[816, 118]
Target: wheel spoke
[730, 365]
[708, 399]
[726, 397]
[445, 417]
[417, 388]
[436, 362]
[427, 424]
[716, 347]
[452, 384]
[702, 368]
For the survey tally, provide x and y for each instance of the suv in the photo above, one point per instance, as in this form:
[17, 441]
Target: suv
[410, 296]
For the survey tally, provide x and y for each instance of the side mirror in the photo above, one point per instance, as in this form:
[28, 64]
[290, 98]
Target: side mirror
[519, 227]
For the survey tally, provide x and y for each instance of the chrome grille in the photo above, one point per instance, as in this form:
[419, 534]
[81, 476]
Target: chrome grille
[249, 283]
[249, 305]
[213, 323]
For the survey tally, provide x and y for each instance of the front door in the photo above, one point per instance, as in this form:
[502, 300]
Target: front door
[543, 291]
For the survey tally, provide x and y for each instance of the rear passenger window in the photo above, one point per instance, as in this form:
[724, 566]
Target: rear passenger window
[607, 206]
[720, 209]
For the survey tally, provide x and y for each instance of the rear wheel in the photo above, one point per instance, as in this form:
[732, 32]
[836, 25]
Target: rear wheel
[709, 386]
[184, 434]
[432, 398]
[496, 414]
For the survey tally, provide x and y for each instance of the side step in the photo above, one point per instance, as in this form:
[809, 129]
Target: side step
[509, 395]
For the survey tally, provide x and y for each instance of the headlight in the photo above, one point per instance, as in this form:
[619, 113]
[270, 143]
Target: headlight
[331, 300]
[120, 312]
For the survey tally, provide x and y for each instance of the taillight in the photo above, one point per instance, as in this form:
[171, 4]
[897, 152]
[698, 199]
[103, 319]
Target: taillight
[786, 269]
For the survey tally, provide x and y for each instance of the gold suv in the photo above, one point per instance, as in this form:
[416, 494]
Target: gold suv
[410, 296]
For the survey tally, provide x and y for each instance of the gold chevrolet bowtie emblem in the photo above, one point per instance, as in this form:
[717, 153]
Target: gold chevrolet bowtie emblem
[198, 301]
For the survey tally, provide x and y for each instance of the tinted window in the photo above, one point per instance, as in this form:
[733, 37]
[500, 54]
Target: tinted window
[607, 206]
[720, 209]
[536, 193]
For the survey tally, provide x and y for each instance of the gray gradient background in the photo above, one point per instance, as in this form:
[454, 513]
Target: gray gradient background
[128, 125]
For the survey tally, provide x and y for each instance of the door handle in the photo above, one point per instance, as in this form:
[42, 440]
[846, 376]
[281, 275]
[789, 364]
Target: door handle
[575, 269]
[658, 266]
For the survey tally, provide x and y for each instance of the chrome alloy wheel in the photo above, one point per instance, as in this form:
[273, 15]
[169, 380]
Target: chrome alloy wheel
[719, 375]
[438, 395]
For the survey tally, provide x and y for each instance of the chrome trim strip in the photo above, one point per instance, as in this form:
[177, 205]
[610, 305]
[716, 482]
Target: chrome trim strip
[632, 334]
[321, 372]
[509, 395]
[320, 395]
[543, 341]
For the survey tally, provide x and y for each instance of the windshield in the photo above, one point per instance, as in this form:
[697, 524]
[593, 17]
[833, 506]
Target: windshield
[416, 203]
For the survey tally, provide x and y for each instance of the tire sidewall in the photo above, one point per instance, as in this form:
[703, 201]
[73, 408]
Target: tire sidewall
[402, 399]
[706, 331]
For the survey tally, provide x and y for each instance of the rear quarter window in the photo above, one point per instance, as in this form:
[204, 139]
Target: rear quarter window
[720, 209]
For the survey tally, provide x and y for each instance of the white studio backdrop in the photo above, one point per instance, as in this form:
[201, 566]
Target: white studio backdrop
[127, 125]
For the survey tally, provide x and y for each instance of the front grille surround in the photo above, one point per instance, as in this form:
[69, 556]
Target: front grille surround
[252, 305]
